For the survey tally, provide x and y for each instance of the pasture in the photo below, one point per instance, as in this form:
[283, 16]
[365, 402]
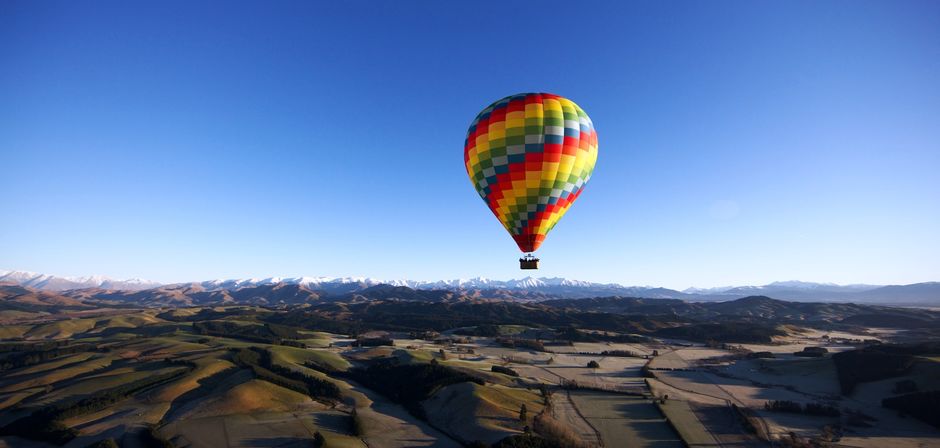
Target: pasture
[625, 421]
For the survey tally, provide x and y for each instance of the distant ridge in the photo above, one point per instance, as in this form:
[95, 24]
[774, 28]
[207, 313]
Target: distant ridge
[53, 283]
[528, 288]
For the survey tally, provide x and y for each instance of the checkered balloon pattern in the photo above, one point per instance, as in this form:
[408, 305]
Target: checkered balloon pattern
[529, 156]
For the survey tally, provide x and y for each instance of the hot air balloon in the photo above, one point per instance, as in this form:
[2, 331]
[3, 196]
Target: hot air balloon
[529, 156]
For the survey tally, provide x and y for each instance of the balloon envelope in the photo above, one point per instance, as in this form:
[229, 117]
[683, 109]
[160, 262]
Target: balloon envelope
[529, 156]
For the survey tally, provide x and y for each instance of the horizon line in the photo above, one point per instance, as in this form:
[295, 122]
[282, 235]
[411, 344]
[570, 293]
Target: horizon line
[75, 278]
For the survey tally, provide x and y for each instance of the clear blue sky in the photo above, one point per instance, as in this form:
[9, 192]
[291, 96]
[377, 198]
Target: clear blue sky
[740, 142]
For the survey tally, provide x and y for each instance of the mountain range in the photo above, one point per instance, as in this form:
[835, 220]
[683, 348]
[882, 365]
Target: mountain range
[528, 288]
[54, 283]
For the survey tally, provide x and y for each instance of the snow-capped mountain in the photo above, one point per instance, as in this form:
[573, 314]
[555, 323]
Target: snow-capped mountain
[528, 288]
[546, 287]
[455, 284]
[54, 283]
[351, 284]
[307, 282]
[522, 283]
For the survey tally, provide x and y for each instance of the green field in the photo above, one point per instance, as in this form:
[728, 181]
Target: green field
[625, 421]
[301, 356]
[684, 420]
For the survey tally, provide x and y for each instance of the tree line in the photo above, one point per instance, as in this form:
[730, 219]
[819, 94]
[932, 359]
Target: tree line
[46, 424]
[259, 361]
[33, 355]
[409, 384]
[793, 407]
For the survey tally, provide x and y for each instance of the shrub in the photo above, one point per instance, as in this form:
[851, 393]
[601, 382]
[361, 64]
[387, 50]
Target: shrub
[812, 352]
[784, 406]
[808, 409]
[504, 370]
[373, 342]
[524, 343]
[105, 443]
[619, 353]
[524, 441]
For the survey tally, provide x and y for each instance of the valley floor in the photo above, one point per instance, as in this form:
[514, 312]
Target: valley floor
[653, 394]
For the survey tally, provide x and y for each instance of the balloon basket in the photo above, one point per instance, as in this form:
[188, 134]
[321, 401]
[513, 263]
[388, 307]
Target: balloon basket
[528, 262]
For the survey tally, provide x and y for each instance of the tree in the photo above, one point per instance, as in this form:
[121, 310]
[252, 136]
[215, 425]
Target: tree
[105, 443]
[357, 426]
[522, 412]
[318, 440]
[593, 364]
